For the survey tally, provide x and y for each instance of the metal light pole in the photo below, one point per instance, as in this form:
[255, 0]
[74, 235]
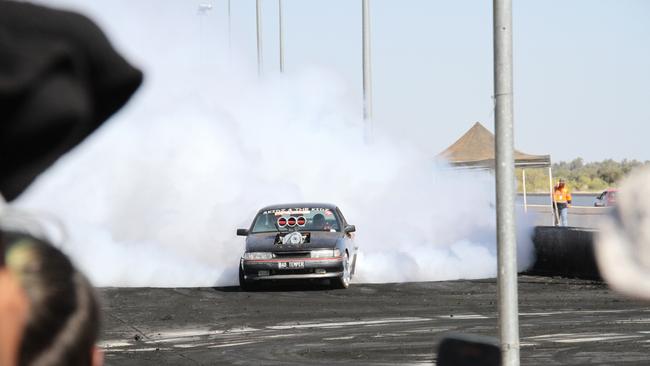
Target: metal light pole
[367, 82]
[229, 32]
[258, 8]
[202, 12]
[505, 184]
[281, 36]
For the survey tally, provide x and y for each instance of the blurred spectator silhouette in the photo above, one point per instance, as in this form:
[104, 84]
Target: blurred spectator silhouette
[623, 242]
[60, 79]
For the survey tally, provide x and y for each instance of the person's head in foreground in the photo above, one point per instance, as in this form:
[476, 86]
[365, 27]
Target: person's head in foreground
[623, 242]
[48, 311]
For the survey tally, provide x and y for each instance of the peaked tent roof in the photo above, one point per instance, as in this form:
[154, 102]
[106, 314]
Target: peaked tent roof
[475, 149]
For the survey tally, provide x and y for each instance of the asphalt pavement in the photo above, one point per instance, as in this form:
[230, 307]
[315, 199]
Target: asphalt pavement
[562, 322]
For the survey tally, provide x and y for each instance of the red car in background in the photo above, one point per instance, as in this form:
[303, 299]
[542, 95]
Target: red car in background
[607, 198]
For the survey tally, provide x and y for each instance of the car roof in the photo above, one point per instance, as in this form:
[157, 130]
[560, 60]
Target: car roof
[299, 204]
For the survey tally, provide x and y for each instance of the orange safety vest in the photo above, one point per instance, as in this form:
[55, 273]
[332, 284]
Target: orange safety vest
[561, 195]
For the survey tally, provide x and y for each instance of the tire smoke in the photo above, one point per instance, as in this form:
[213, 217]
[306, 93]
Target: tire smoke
[155, 196]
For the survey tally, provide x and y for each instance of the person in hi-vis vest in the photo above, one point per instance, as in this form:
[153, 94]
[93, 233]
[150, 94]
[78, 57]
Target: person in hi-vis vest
[561, 203]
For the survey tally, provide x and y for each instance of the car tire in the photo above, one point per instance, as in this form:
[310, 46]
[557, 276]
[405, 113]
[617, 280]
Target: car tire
[343, 282]
[245, 285]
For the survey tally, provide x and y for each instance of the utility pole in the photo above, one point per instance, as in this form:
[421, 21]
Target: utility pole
[367, 75]
[505, 183]
[258, 8]
[281, 36]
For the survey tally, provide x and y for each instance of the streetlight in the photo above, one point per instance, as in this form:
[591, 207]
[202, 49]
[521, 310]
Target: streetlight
[203, 9]
[281, 36]
[258, 13]
[367, 82]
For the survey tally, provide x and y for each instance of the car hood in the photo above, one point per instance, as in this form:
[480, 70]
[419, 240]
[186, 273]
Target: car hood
[264, 242]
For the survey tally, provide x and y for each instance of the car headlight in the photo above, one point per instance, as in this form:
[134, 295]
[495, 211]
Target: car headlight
[258, 255]
[325, 253]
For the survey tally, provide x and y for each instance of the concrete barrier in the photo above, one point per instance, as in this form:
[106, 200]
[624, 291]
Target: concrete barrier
[564, 251]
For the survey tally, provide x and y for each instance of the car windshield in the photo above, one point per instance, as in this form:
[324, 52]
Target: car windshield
[298, 218]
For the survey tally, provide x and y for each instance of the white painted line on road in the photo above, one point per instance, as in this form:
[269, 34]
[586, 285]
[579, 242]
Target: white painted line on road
[175, 340]
[386, 335]
[427, 330]
[562, 312]
[148, 349]
[311, 345]
[239, 330]
[633, 321]
[528, 344]
[463, 316]
[605, 311]
[338, 338]
[596, 339]
[541, 314]
[347, 324]
[231, 344]
[110, 344]
[184, 335]
[179, 334]
[280, 335]
[556, 335]
[583, 337]
[193, 345]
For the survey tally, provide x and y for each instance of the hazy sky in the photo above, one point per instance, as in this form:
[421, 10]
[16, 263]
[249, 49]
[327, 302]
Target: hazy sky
[582, 68]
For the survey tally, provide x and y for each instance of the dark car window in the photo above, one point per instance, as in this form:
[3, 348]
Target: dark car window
[341, 217]
[301, 219]
[264, 223]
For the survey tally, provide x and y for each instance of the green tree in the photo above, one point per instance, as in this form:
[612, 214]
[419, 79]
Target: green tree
[610, 171]
[581, 176]
[576, 164]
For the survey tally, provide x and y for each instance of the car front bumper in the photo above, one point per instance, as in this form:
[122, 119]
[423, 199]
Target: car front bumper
[291, 268]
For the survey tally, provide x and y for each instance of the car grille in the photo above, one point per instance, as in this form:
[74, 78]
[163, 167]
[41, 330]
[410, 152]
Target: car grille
[296, 254]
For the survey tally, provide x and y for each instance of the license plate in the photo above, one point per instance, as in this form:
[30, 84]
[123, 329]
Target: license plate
[291, 265]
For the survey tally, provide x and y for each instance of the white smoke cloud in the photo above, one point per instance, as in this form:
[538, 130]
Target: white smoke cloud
[154, 198]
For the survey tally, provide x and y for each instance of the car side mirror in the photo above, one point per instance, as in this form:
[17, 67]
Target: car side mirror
[242, 232]
[466, 350]
[350, 229]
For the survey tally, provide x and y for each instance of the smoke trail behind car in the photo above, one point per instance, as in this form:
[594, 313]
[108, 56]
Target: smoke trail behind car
[154, 198]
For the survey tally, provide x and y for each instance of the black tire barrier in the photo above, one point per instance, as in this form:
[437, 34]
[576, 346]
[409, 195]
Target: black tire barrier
[565, 251]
